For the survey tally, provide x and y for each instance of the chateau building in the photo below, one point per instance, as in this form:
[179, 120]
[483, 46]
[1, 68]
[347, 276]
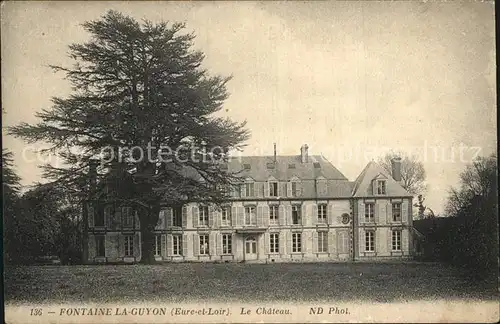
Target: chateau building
[287, 209]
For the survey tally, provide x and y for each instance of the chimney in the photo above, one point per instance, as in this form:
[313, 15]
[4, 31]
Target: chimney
[274, 152]
[396, 168]
[304, 153]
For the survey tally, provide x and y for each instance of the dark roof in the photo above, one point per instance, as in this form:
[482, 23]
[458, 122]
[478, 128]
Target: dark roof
[285, 168]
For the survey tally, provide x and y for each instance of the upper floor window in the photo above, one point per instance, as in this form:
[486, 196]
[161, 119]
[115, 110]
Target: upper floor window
[295, 188]
[250, 217]
[369, 212]
[273, 189]
[127, 217]
[226, 216]
[249, 189]
[381, 187]
[322, 214]
[396, 212]
[296, 217]
[203, 217]
[273, 214]
[177, 216]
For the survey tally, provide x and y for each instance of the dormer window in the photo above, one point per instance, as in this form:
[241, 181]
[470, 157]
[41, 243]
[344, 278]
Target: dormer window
[381, 188]
[270, 165]
[295, 189]
[291, 166]
[317, 165]
[273, 189]
[246, 166]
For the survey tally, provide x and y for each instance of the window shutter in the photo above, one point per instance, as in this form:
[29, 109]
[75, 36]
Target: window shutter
[137, 245]
[289, 214]
[265, 216]
[107, 216]
[219, 244]
[304, 217]
[184, 216]
[282, 243]
[266, 189]
[306, 242]
[117, 218]
[168, 216]
[256, 191]
[381, 212]
[405, 240]
[331, 242]
[239, 218]
[330, 213]
[170, 245]
[362, 240]
[137, 223]
[243, 190]
[121, 245]
[210, 216]
[90, 214]
[389, 241]
[361, 212]
[212, 243]
[389, 212]
[282, 215]
[404, 211]
[299, 189]
[233, 244]
[196, 244]
[288, 189]
[163, 247]
[184, 245]
[196, 215]
[217, 217]
[315, 242]
[260, 215]
[234, 214]
[340, 242]
[267, 242]
[314, 217]
[289, 242]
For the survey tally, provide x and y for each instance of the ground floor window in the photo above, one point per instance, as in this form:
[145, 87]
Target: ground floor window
[100, 245]
[129, 245]
[204, 245]
[157, 245]
[322, 242]
[227, 244]
[296, 242]
[177, 244]
[343, 242]
[396, 240]
[274, 242]
[370, 241]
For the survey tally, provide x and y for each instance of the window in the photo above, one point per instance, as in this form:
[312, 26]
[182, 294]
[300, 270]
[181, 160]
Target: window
[322, 242]
[227, 244]
[226, 216]
[343, 242]
[250, 217]
[296, 215]
[204, 246]
[99, 217]
[296, 242]
[246, 166]
[157, 245]
[177, 244]
[108, 213]
[270, 165]
[129, 245]
[396, 212]
[291, 166]
[317, 165]
[249, 189]
[396, 240]
[322, 214]
[235, 191]
[295, 189]
[203, 217]
[381, 187]
[100, 245]
[369, 212]
[274, 243]
[273, 189]
[128, 217]
[177, 216]
[370, 241]
[273, 215]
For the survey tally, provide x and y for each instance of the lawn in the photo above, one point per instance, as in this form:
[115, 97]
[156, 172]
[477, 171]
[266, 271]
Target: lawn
[242, 282]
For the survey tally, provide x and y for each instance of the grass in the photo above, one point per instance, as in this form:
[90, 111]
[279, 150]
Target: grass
[242, 282]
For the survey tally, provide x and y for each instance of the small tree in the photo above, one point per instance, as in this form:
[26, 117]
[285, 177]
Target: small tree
[141, 86]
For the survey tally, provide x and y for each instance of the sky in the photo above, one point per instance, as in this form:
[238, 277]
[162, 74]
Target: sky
[352, 80]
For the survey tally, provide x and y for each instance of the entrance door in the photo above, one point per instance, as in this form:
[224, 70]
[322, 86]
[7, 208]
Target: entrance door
[250, 248]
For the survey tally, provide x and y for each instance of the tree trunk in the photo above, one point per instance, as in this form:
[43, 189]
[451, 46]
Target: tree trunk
[148, 224]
